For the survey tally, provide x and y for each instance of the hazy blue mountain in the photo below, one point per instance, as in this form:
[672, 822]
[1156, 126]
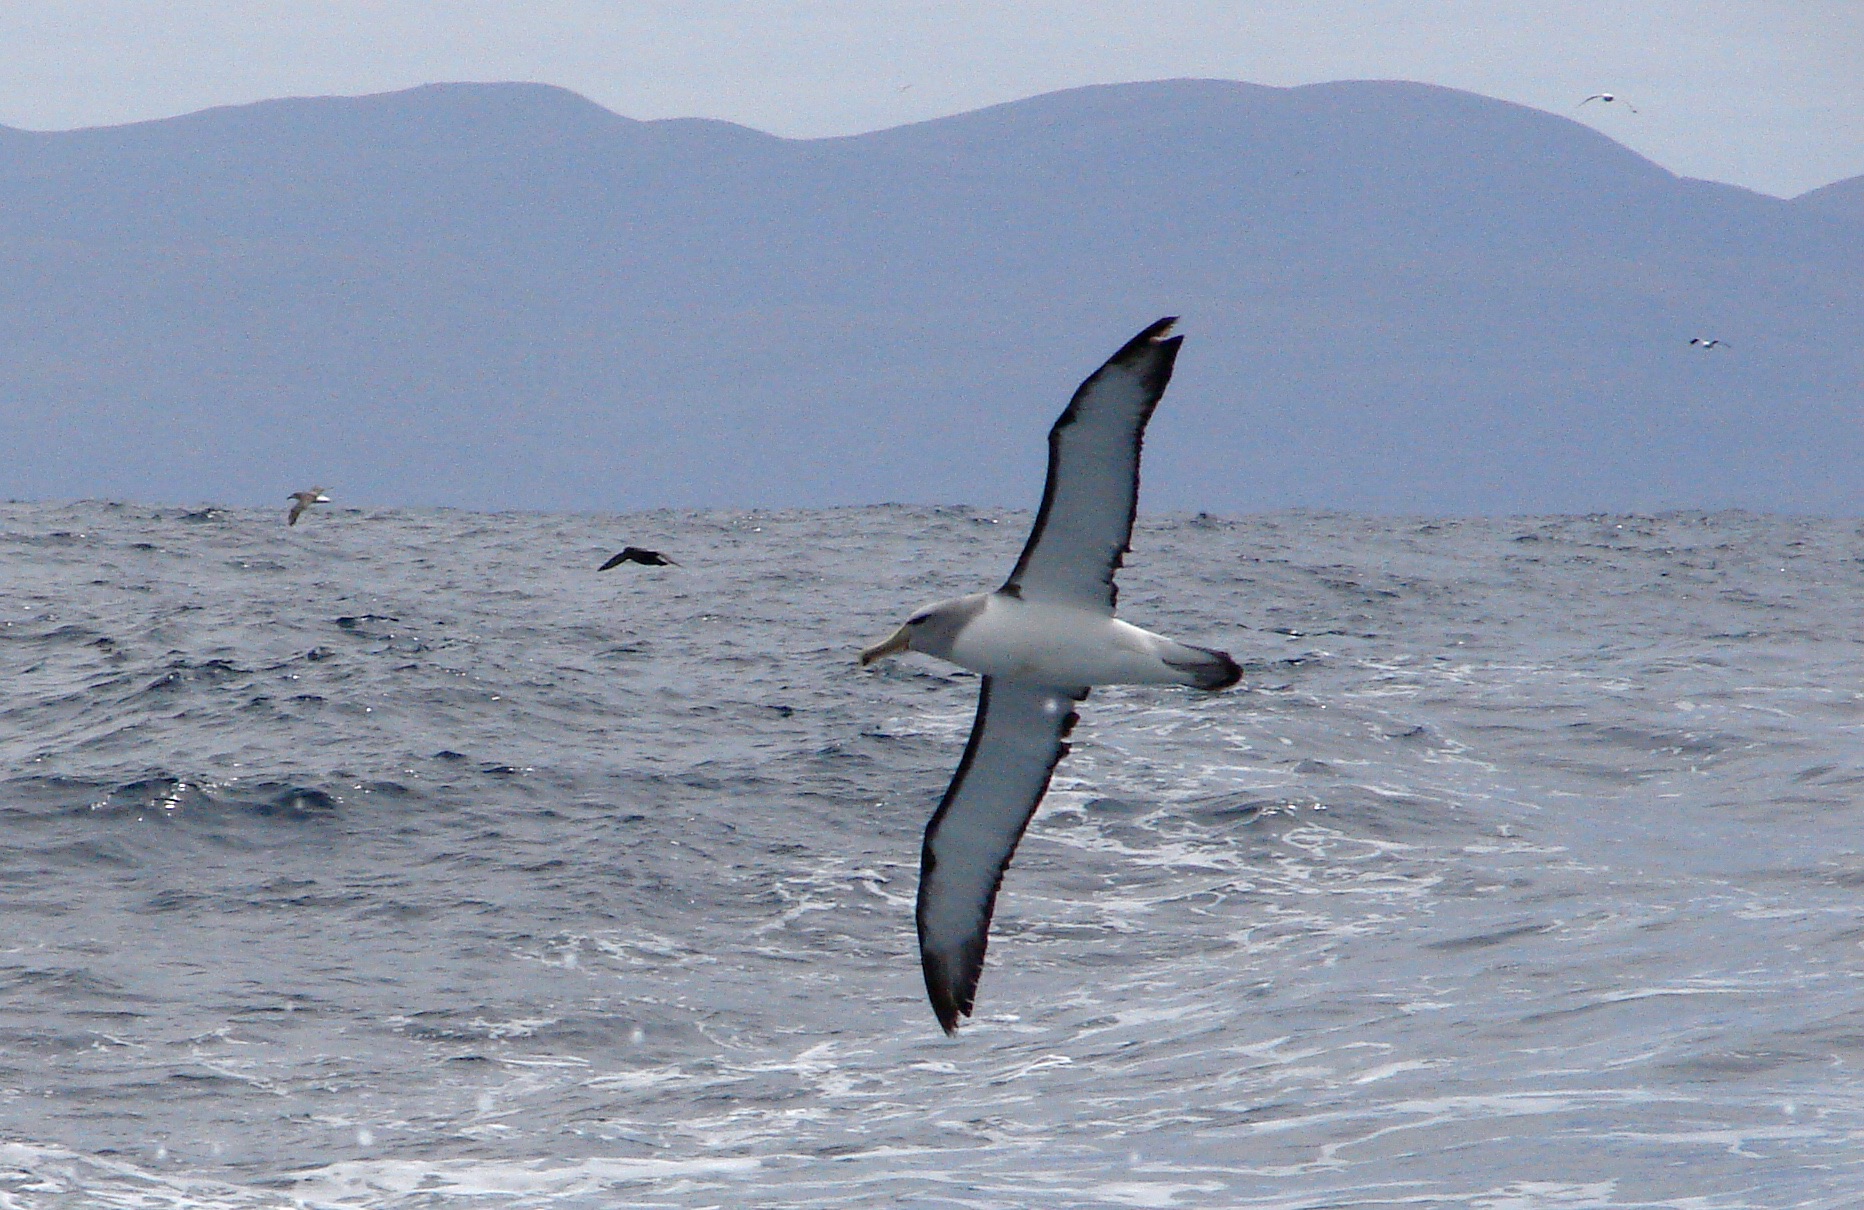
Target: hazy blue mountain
[1396, 297]
[1844, 198]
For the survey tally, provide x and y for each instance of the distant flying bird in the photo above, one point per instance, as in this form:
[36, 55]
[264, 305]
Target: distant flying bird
[641, 555]
[304, 501]
[1700, 343]
[1608, 98]
[1040, 642]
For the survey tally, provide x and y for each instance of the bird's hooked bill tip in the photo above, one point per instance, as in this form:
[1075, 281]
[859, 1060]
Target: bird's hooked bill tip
[893, 643]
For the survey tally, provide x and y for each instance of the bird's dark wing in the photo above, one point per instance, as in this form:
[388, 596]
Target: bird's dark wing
[1085, 524]
[641, 555]
[1015, 744]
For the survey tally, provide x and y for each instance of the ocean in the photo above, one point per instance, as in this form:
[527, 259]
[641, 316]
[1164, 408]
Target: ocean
[400, 859]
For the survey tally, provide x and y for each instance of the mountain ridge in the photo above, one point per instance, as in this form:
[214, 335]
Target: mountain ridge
[1843, 198]
[1399, 297]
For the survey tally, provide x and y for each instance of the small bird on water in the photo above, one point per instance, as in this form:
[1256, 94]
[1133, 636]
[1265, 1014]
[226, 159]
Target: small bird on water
[1040, 642]
[641, 555]
[304, 501]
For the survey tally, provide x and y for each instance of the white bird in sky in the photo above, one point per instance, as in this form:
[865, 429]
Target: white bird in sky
[1608, 98]
[1040, 642]
[1698, 342]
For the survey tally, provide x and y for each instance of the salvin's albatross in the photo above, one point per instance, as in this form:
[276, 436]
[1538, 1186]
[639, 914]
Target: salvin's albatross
[1040, 642]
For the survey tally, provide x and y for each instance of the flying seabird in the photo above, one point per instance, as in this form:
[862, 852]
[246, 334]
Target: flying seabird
[1040, 642]
[1699, 343]
[304, 501]
[638, 554]
[1608, 98]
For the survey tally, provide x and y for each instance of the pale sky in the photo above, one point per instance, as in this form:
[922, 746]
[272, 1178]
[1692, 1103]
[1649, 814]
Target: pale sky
[1764, 94]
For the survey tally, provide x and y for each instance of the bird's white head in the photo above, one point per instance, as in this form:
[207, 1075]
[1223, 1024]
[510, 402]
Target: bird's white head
[929, 631]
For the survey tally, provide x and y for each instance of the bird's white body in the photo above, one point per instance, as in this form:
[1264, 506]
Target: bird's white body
[1050, 644]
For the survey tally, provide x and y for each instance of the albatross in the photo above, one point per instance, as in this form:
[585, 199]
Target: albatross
[1040, 642]
[304, 501]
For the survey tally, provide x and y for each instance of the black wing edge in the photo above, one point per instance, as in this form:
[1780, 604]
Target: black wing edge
[1152, 337]
[954, 992]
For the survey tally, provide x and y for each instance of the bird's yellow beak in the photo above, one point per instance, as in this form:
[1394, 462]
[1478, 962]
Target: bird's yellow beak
[898, 641]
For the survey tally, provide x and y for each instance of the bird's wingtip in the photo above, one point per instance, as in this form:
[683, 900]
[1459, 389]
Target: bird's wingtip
[1155, 344]
[951, 993]
[948, 1011]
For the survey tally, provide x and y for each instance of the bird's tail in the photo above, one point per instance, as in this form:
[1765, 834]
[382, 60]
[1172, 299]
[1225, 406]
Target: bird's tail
[1204, 668]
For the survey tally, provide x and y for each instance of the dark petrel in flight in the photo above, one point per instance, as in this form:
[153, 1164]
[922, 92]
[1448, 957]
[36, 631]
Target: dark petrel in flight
[641, 555]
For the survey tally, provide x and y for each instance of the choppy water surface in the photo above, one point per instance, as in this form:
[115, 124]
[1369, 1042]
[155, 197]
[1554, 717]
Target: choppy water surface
[401, 860]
